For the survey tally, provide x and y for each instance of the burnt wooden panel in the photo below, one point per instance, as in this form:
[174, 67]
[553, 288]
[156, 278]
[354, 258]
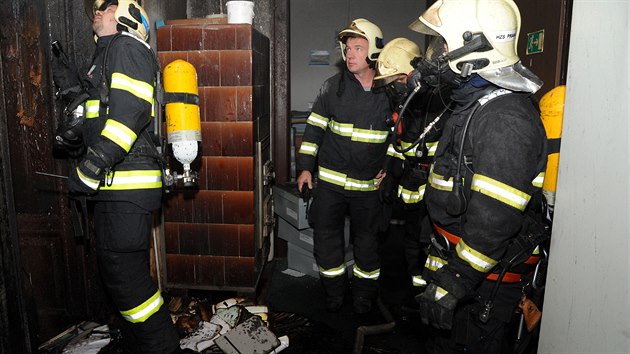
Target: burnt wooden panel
[52, 287]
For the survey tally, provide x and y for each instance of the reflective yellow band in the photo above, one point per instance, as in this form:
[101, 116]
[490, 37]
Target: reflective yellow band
[538, 181]
[410, 152]
[356, 134]
[434, 263]
[142, 312]
[373, 275]
[500, 191]
[140, 89]
[436, 181]
[308, 148]
[119, 134]
[475, 259]
[440, 293]
[392, 152]
[369, 135]
[344, 181]
[317, 120]
[432, 147]
[128, 180]
[409, 196]
[92, 108]
[343, 129]
[417, 280]
[333, 272]
[90, 182]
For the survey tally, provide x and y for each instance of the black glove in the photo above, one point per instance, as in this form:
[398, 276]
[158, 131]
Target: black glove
[86, 177]
[437, 307]
[65, 74]
[386, 192]
[77, 186]
[414, 79]
[438, 301]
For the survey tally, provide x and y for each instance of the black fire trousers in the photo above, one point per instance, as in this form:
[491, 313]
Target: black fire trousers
[327, 216]
[122, 244]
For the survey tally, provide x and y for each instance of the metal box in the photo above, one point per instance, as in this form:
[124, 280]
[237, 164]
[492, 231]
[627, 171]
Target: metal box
[304, 238]
[289, 206]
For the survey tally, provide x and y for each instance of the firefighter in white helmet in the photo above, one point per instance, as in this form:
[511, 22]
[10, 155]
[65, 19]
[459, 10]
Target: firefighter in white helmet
[346, 142]
[120, 173]
[486, 180]
[410, 153]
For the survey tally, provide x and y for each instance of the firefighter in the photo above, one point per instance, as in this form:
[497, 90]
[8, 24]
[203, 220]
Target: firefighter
[410, 153]
[487, 174]
[346, 140]
[119, 172]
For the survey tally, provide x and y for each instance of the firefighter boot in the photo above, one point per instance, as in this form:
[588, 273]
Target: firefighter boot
[334, 303]
[361, 305]
[335, 289]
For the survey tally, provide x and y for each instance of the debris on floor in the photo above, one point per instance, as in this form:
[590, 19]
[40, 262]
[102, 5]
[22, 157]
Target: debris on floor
[233, 325]
[86, 338]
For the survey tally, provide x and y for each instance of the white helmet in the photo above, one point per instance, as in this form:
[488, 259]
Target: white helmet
[132, 16]
[461, 21]
[129, 14]
[484, 34]
[366, 29]
[395, 59]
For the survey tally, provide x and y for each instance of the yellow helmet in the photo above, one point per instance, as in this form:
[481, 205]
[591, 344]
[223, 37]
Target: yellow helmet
[395, 59]
[366, 29]
[129, 14]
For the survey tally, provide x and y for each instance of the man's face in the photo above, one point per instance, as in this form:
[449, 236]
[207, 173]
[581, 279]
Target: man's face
[104, 23]
[356, 54]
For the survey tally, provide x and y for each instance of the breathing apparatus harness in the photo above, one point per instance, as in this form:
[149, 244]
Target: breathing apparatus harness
[148, 146]
[535, 231]
[430, 73]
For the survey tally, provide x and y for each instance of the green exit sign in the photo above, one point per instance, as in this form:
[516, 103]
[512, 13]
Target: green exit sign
[535, 41]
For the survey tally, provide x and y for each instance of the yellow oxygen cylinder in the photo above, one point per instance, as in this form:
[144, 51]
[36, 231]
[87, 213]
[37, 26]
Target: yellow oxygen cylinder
[183, 122]
[551, 113]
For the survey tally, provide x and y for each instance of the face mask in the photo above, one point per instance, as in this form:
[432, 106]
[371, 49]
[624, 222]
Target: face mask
[397, 93]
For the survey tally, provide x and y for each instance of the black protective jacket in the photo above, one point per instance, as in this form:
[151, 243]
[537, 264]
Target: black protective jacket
[116, 130]
[503, 166]
[410, 166]
[346, 134]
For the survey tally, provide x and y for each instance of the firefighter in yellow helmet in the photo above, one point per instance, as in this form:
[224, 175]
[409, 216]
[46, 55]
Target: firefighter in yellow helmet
[346, 142]
[484, 187]
[410, 154]
[120, 173]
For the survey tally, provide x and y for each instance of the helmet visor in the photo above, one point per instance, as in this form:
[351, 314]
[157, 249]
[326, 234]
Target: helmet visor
[91, 6]
[437, 48]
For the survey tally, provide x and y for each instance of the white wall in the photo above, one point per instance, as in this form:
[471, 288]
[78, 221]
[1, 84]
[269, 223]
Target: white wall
[314, 25]
[587, 306]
